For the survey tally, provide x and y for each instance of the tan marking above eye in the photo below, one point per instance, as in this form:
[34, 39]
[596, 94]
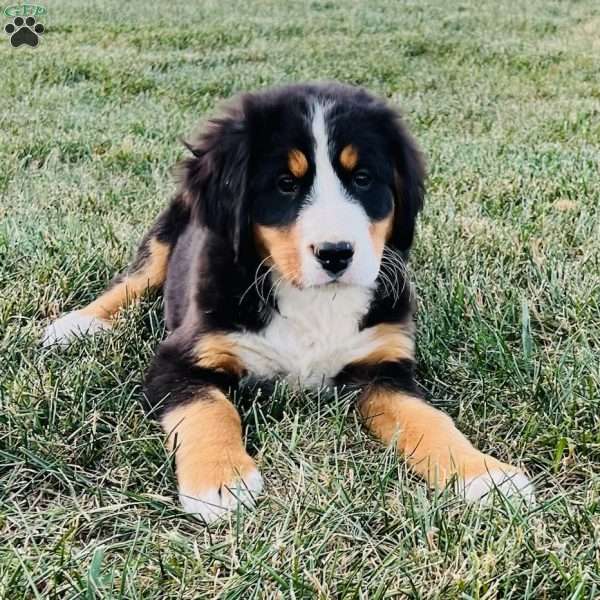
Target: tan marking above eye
[297, 163]
[349, 157]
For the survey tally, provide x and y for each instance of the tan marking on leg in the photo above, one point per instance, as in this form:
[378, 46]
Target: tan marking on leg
[297, 163]
[427, 437]
[349, 157]
[380, 232]
[282, 247]
[206, 435]
[216, 351]
[392, 342]
[133, 285]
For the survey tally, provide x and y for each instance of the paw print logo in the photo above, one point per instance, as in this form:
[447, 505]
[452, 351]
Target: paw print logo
[24, 31]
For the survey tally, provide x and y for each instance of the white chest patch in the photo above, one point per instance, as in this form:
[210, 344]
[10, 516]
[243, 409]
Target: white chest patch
[314, 335]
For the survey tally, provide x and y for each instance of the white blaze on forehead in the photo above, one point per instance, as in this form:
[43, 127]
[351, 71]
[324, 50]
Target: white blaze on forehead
[327, 188]
[329, 205]
[331, 215]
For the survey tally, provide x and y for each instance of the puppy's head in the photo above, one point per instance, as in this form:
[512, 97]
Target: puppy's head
[315, 180]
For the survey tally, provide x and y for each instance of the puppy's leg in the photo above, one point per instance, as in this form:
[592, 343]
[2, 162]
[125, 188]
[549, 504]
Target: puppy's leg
[214, 471]
[435, 448]
[147, 271]
[185, 387]
[393, 411]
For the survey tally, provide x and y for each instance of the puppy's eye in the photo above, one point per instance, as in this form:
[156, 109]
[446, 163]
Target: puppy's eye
[362, 179]
[287, 184]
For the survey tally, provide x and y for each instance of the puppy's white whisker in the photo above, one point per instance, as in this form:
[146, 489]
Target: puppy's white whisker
[398, 267]
[260, 282]
[255, 281]
[389, 276]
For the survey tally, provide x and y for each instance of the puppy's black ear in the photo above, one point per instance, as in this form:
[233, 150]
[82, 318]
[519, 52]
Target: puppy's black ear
[409, 185]
[214, 179]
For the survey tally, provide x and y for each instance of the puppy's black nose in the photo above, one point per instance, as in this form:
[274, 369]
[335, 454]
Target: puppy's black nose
[335, 257]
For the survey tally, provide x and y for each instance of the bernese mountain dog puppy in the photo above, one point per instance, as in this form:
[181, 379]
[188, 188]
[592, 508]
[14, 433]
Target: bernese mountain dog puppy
[283, 256]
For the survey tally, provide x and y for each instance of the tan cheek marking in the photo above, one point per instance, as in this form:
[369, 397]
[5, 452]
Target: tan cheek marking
[133, 285]
[349, 157]
[216, 351]
[206, 435]
[297, 163]
[282, 246]
[428, 438]
[380, 232]
[392, 341]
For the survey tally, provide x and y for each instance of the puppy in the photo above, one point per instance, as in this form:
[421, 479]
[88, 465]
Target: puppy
[282, 256]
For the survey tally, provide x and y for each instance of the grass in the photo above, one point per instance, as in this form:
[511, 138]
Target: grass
[505, 101]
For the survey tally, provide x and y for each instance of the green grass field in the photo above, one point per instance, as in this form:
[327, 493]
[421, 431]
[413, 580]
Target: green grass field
[505, 101]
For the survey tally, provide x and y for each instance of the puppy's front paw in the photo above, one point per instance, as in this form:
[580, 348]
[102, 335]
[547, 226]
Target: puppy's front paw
[512, 485]
[480, 483]
[209, 490]
[73, 324]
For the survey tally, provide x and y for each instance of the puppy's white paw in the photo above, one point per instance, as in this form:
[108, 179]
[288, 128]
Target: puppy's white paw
[211, 504]
[513, 484]
[73, 324]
